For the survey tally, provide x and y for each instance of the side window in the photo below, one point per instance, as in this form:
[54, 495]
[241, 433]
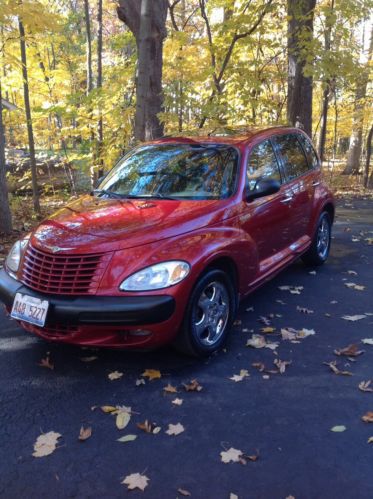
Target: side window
[262, 163]
[295, 162]
[309, 150]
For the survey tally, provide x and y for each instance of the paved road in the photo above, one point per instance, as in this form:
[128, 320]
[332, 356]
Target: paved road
[287, 417]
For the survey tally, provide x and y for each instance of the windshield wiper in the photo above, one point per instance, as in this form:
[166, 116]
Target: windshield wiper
[110, 194]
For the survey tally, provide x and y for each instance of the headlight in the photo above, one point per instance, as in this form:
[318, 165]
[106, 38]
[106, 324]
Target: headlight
[161, 275]
[14, 256]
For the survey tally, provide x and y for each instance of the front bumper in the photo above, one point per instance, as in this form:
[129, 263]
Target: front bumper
[90, 319]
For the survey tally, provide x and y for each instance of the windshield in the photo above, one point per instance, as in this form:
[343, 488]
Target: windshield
[176, 171]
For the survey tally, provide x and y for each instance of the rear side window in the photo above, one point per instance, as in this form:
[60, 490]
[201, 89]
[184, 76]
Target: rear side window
[262, 163]
[291, 152]
[310, 151]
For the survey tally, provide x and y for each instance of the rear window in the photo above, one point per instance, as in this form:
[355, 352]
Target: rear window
[292, 155]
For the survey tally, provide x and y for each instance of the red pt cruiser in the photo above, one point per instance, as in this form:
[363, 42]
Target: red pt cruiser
[175, 235]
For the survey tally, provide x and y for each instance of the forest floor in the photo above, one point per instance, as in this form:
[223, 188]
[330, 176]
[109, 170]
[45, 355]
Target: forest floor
[298, 434]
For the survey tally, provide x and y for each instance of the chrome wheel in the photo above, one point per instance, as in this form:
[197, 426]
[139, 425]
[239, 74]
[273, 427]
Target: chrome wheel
[323, 238]
[211, 313]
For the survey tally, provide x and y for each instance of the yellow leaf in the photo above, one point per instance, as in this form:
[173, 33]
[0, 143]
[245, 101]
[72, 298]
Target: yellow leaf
[152, 374]
[108, 408]
[122, 419]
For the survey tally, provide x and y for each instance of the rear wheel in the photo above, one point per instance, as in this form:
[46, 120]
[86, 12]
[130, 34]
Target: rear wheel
[319, 250]
[208, 316]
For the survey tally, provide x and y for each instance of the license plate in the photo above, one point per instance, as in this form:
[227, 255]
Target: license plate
[30, 309]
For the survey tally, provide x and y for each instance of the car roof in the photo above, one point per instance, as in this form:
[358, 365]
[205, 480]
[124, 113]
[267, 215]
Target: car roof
[239, 135]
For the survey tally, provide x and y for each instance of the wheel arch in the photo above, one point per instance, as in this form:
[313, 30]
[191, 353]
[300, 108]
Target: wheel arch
[330, 209]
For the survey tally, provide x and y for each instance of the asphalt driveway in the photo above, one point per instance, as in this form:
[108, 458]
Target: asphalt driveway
[285, 419]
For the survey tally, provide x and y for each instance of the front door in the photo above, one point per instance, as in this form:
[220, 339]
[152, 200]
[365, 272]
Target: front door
[266, 219]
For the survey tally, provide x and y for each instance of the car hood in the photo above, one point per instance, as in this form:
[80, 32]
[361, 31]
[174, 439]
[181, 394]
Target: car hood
[92, 224]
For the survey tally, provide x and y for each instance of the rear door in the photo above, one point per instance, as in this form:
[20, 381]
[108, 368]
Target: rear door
[300, 180]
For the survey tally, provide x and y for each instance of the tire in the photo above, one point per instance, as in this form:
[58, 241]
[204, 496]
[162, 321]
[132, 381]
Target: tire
[319, 250]
[208, 316]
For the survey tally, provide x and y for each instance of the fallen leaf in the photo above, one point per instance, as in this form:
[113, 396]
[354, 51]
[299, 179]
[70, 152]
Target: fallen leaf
[237, 322]
[370, 440]
[152, 374]
[231, 455]
[115, 375]
[122, 419]
[353, 285]
[264, 320]
[250, 309]
[258, 341]
[193, 386]
[108, 409]
[244, 458]
[46, 444]
[85, 433]
[259, 365]
[304, 310]
[127, 438]
[46, 363]
[368, 417]
[267, 330]
[281, 365]
[239, 377]
[233, 496]
[338, 429]
[175, 429]
[170, 389]
[184, 492]
[280, 302]
[177, 401]
[367, 341]
[289, 333]
[89, 359]
[148, 427]
[353, 318]
[334, 368]
[139, 382]
[136, 481]
[303, 333]
[294, 290]
[349, 351]
[364, 386]
[351, 272]
[312, 272]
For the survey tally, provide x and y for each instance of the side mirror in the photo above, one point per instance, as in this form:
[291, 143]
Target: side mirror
[264, 187]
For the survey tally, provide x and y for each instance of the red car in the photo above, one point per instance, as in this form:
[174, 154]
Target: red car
[176, 234]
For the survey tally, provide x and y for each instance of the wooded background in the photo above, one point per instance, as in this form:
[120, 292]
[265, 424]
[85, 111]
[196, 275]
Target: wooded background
[83, 80]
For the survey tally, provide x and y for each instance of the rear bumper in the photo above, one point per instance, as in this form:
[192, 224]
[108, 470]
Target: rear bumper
[94, 310]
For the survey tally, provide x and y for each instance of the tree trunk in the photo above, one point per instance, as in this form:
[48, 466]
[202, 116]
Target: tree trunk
[88, 46]
[368, 182]
[35, 191]
[5, 214]
[326, 93]
[356, 139]
[300, 27]
[147, 21]
[100, 137]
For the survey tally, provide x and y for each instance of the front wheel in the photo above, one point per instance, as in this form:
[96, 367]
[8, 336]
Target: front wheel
[208, 316]
[319, 249]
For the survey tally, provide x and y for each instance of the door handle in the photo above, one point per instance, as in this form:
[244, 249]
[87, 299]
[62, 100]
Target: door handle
[288, 199]
[315, 184]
